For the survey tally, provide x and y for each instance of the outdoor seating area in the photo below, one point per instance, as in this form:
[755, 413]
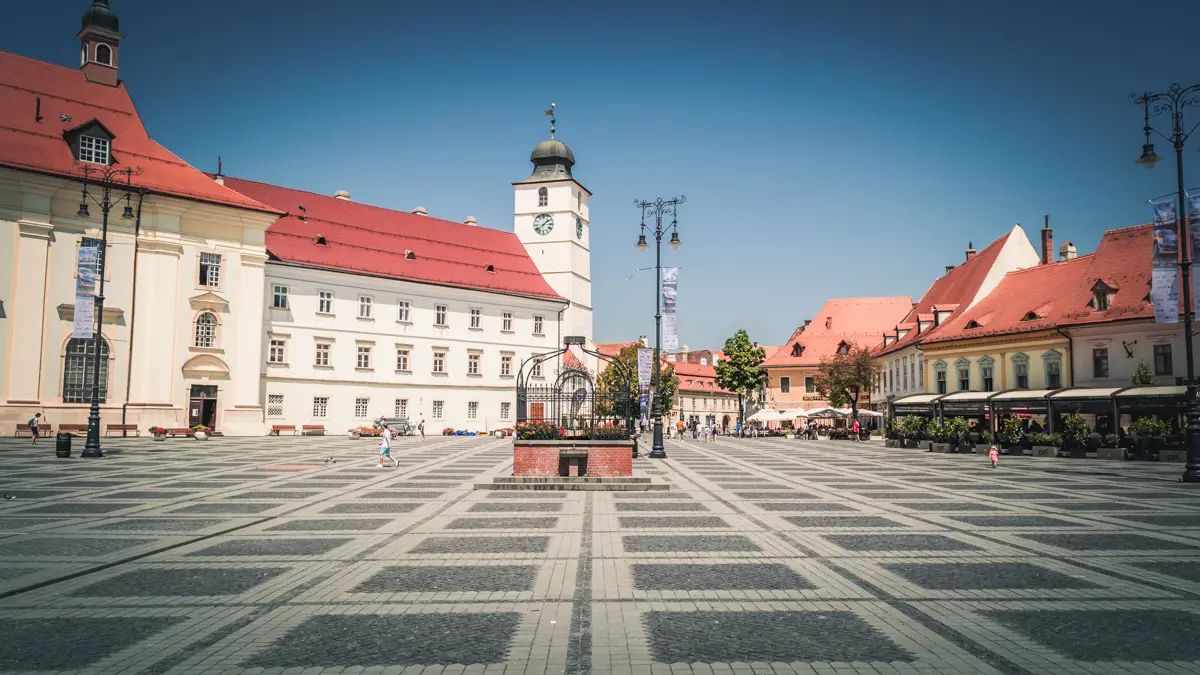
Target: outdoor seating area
[1139, 422]
[835, 423]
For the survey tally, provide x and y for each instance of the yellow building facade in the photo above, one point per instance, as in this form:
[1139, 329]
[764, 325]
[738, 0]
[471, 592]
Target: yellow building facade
[1036, 360]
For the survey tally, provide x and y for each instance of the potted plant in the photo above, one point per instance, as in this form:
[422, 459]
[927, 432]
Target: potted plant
[1110, 448]
[958, 432]
[1011, 432]
[201, 432]
[912, 430]
[1077, 434]
[939, 434]
[1046, 445]
[1148, 434]
[158, 433]
[353, 433]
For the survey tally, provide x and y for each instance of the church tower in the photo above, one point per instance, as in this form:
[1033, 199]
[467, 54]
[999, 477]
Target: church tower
[99, 41]
[550, 217]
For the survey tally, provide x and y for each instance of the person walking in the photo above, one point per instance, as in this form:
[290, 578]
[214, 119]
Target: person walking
[385, 447]
[994, 455]
[34, 423]
[421, 428]
[855, 427]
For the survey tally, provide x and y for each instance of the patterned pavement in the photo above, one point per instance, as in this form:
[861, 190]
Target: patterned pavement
[766, 556]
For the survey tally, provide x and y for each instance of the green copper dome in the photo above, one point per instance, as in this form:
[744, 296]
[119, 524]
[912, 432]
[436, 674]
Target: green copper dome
[101, 16]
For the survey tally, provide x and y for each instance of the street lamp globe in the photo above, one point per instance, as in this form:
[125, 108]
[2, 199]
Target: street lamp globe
[128, 213]
[675, 243]
[83, 210]
[641, 244]
[1149, 158]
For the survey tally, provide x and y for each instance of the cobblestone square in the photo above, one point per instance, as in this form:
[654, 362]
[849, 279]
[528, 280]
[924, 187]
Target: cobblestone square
[766, 555]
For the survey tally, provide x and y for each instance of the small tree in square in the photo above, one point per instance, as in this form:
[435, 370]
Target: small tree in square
[843, 377]
[741, 370]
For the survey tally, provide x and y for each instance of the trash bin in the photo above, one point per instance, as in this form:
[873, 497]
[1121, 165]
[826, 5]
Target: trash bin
[62, 444]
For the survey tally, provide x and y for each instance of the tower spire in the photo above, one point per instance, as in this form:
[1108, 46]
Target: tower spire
[550, 112]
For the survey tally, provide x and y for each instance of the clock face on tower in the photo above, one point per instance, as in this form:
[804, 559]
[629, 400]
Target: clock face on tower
[578, 228]
[543, 223]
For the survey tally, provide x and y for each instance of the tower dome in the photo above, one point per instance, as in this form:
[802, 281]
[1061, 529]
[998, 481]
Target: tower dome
[101, 16]
[552, 160]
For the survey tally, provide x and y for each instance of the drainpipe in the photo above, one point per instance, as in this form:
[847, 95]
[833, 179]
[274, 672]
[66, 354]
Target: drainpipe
[137, 227]
[1070, 357]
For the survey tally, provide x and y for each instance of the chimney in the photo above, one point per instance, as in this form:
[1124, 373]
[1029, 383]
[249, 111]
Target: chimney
[420, 211]
[471, 221]
[219, 177]
[828, 322]
[1047, 243]
[970, 250]
[342, 195]
[1067, 252]
[949, 269]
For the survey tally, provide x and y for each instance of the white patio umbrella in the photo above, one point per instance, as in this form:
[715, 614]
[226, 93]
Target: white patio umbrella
[825, 413]
[794, 413]
[766, 415]
[862, 412]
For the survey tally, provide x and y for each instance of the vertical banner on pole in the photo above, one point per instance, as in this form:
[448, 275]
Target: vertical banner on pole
[1164, 285]
[85, 292]
[670, 289]
[1193, 216]
[645, 374]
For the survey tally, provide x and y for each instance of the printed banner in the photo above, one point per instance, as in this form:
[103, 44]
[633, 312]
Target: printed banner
[645, 366]
[1193, 215]
[1164, 280]
[670, 289]
[85, 292]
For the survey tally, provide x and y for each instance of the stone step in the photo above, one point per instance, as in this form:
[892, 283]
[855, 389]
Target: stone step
[575, 479]
[563, 484]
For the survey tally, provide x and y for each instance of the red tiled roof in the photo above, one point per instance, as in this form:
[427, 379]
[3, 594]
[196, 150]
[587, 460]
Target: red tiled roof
[953, 290]
[613, 348]
[29, 145]
[370, 240]
[700, 376]
[1060, 292]
[857, 321]
[570, 360]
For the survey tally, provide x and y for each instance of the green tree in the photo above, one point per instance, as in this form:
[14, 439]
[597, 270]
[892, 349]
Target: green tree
[611, 380]
[1142, 377]
[741, 370]
[842, 378]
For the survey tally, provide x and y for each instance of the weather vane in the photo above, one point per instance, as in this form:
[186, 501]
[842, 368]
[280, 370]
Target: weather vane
[550, 112]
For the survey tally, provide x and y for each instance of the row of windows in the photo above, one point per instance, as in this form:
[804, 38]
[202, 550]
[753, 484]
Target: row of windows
[362, 407]
[725, 404]
[897, 375]
[366, 310]
[785, 385]
[1164, 361]
[277, 348]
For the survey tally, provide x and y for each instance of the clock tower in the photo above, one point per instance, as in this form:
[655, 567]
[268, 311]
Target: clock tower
[550, 217]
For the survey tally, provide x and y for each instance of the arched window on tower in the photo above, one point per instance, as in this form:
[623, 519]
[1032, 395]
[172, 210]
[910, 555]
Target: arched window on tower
[543, 197]
[104, 54]
[206, 330]
[79, 363]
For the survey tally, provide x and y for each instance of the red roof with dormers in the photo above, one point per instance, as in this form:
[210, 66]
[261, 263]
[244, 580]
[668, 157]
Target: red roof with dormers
[1059, 294]
[28, 144]
[364, 239]
[856, 321]
[694, 377]
[953, 290]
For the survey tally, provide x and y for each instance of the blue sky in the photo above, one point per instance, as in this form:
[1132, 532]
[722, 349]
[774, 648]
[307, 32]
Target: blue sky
[826, 149]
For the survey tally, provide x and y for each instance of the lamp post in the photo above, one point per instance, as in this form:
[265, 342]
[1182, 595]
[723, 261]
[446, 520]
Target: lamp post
[657, 209]
[107, 179]
[1173, 101]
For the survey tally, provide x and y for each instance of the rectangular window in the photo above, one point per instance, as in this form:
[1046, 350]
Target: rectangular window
[1053, 374]
[506, 365]
[322, 355]
[360, 408]
[986, 372]
[401, 408]
[365, 303]
[537, 325]
[964, 379]
[439, 362]
[276, 351]
[476, 318]
[364, 356]
[274, 405]
[325, 302]
[210, 269]
[93, 150]
[785, 385]
[941, 382]
[536, 371]
[506, 326]
[279, 297]
[810, 386]
[402, 311]
[1022, 372]
[1163, 364]
[437, 409]
[472, 410]
[1100, 362]
[402, 359]
[78, 370]
[473, 363]
[320, 407]
[505, 409]
[440, 315]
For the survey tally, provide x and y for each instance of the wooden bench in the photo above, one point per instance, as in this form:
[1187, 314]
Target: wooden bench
[277, 428]
[77, 428]
[312, 429]
[182, 431]
[43, 430]
[122, 427]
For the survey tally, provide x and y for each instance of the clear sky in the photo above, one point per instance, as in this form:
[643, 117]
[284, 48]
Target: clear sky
[827, 149]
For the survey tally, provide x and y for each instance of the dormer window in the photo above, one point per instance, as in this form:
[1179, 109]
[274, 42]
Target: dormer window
[843, 348]
[104, 54]
[1031, 316]
[320, 241]
[973, 324]
[1102, 296]
[491, 268]
[923, 326]
[888, 339]
[409, 255]
[901, 333]
[797, 349]
[93, 150]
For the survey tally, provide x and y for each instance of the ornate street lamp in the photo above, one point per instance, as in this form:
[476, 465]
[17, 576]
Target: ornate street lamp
[1173, 101]
[107, 179]
[657, 209]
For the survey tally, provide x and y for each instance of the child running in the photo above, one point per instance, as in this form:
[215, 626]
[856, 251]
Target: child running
[385, 447]
[994, 455]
